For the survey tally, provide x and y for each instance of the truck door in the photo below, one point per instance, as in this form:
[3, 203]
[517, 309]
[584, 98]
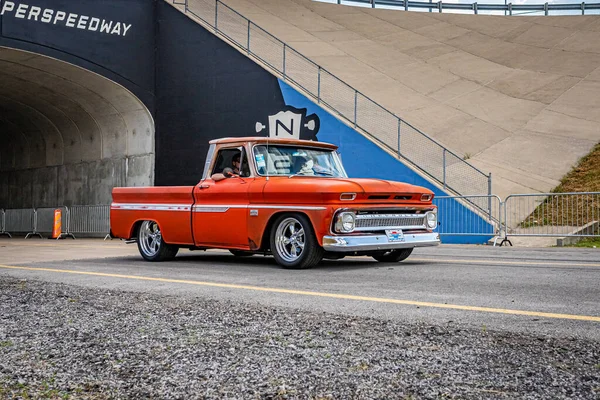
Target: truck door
[220, 213]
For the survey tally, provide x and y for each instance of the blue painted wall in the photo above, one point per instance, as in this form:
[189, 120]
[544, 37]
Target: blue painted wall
[364, 159]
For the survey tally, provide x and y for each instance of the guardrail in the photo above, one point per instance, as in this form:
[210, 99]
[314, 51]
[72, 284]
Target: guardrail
[507, 8]
[358, 110]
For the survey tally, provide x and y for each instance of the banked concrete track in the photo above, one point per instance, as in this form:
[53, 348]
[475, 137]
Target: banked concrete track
[516, 96]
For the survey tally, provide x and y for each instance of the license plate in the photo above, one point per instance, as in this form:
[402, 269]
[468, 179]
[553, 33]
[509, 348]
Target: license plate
[395, 235]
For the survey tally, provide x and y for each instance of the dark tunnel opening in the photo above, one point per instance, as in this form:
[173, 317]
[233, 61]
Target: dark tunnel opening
[68, 135]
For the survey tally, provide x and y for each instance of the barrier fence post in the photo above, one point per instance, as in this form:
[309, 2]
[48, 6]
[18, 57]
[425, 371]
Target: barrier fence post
[3, 224]
[34, 232]
[67, 231]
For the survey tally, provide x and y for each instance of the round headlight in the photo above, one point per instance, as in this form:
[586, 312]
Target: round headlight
[348, 222]
[431, 219]
[345, 222]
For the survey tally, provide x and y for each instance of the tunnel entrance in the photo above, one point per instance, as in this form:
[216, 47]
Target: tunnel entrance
[68, 135]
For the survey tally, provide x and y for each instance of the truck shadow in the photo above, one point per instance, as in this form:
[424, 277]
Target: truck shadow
[267, 262]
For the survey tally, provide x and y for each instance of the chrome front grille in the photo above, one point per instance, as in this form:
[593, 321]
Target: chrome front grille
[373, 222]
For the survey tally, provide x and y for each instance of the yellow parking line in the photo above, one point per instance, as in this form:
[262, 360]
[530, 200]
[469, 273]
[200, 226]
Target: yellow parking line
[321, 294]
[499, 262]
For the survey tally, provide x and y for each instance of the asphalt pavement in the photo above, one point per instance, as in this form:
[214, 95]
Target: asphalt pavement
[540, 291]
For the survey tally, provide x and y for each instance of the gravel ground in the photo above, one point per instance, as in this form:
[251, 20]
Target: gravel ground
[59, 341]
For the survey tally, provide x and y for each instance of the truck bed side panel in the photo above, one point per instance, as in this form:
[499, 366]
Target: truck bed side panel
[170, 207]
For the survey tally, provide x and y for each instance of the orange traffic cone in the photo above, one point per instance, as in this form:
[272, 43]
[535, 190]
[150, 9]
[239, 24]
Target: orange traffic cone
[57, 230]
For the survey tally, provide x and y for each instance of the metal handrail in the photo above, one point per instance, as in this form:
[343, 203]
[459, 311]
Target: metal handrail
[507, 8]
[431, 150]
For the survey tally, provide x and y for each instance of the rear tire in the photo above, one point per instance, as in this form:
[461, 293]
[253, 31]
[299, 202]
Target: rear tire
[393, 255]
[293, 242]
[151, 245]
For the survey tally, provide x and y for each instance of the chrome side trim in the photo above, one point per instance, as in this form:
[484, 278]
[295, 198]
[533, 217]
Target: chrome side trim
[150, 207]
[205, 207]
[215, 208]
[350, 243]
[290, 207]
[210, 209]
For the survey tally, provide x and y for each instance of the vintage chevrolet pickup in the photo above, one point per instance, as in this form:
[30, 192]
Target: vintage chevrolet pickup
[290, 198]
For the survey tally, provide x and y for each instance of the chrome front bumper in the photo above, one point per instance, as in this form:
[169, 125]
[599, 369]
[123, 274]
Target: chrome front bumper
[378, 242]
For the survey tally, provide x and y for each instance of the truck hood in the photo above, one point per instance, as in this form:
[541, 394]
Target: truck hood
[306, 188]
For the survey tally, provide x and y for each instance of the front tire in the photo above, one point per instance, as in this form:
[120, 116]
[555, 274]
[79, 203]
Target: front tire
[151, 245]
[393, 255]
[293, 242]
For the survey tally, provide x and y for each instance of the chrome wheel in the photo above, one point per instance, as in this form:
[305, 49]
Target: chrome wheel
[150, 238]
[290, 239]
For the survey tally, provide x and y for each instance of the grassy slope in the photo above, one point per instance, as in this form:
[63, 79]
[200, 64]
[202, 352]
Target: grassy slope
[585, 177]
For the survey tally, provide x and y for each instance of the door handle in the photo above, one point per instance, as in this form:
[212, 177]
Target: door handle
[203, 187]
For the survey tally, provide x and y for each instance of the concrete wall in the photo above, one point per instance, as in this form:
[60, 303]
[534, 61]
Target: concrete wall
[73, 184]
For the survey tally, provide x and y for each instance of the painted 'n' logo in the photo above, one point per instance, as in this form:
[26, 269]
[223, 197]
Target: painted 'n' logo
[288, 124]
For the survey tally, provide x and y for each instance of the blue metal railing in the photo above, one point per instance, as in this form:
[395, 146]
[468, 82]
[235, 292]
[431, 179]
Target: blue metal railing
[507, 8]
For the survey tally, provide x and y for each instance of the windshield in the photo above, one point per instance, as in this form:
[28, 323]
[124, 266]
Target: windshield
[294, 160]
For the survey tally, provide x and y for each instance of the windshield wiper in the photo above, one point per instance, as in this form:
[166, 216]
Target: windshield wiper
[297, 174]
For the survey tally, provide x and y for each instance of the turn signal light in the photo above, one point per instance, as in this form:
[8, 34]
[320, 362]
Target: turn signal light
[426, 197]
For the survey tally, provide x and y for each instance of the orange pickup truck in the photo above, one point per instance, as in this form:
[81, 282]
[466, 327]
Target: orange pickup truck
[288, 198]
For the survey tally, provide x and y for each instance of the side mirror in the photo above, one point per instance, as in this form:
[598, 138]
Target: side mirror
[228, 172]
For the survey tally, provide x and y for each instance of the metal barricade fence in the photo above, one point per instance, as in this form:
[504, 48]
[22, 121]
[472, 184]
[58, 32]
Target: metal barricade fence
[553, 214]
[358, 110]
[20, 221]
[465, 215]
[3, 224]
[89, 220]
